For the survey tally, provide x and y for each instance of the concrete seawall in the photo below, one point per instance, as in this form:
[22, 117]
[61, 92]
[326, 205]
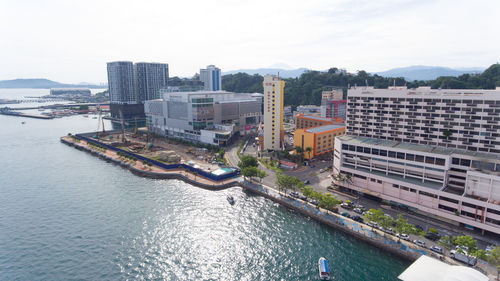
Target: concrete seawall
[386, 242]
[151, 174]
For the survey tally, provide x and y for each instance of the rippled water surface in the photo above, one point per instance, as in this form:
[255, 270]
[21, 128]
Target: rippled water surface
[65, 214]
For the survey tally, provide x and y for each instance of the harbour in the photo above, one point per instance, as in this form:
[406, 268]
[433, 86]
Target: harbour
[77, 216]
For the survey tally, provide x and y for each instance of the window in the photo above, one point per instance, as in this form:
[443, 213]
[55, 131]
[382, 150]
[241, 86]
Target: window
[375, 151]
[392, 154]
[400, 155]
[383, 152]
[410, 157]
[448, 199]
[359, 149]
[367, 150]
[440, 161]
[465, 162]
[419, 158]
[455, 161]
[429, 160]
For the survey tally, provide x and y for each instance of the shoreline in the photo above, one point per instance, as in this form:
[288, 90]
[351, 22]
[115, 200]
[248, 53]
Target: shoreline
[375, 237]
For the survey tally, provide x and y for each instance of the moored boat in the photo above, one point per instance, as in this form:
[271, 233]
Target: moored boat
[230, 199]
[324, 270]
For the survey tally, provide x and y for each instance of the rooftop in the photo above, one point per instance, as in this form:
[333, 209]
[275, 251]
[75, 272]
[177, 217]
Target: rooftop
[417, 147]
[319, 118]
[325, 128]
[426, 268]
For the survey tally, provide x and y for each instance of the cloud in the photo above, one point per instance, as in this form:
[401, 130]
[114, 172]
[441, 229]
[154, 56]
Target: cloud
[71, 41]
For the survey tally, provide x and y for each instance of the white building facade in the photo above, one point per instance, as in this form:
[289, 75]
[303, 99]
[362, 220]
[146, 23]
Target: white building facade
[205, 116]
[431, 150]
[211, 78]
[273, 112]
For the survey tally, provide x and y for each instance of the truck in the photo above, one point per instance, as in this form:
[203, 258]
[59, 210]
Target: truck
[463, 257]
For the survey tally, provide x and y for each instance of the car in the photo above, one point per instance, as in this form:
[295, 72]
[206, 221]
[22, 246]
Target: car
[419, 227]
[345, 206]
[419, 243]
[314, 202]
[373, 224]
[436, 249]
[307, 182]
[358, 210]
[357, 218]
[360, 207]
[294, 194]
[302, 197]
[386, 230]
[432, 236]
[346, 214]
[403, 236]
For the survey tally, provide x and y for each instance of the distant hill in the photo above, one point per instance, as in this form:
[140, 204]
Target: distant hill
[43, 84]
[421, 72]
[284, 73]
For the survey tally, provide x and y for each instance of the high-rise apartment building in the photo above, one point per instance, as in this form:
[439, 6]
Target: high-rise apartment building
[431, 150]
[121, 83]
[130, 85]
[149, 79]
[273, 112]
[211, 78]
[333, 105]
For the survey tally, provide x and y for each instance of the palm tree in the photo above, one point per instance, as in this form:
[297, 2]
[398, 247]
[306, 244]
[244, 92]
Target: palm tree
[300, 151]
[195, 173]
[309, 150]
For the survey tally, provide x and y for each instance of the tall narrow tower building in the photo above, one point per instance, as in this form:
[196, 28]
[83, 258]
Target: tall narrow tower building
[211, 78]
[273, 112]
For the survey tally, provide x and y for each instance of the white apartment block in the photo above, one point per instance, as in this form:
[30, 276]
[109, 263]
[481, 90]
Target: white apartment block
[432, 150]
[273, 112]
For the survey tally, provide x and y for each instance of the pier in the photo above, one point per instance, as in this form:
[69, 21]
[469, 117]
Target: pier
[20, 114]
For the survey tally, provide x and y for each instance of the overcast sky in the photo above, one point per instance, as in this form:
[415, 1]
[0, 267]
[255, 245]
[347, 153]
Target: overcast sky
[71, 41]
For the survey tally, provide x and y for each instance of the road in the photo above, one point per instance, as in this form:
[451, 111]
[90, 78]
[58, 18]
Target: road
[320, 181]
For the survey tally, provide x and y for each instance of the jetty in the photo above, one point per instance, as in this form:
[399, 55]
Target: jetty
[21, 114]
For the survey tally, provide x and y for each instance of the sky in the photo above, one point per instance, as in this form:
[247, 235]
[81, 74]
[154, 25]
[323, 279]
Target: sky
[70, 41]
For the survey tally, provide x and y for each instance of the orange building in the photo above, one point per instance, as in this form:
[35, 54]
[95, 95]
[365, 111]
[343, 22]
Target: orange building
[308, 121]
[320, 139]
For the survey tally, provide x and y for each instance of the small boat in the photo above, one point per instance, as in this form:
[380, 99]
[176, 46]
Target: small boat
[230, 199]
[23, 122]
[324, 271]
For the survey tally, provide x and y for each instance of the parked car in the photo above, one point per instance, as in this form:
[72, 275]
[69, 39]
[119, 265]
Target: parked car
[419, 243]
[358, 210]
[294, 194]
[302, 197]
[419, 227]
[357, 218]
[403, 236]
[432, 236]
[307, 182]
[373, 224]
[345, 206]
[314, 202]
[436, 249]
[346, 214]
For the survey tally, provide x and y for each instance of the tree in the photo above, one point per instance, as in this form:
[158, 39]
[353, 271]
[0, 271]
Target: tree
[467, 246]
[300, 151]
[249, 171]
[261, 175]
[494, 259]
[248, 161]
[309, 150]
[195, 173]
[285, 182]
[446, 241]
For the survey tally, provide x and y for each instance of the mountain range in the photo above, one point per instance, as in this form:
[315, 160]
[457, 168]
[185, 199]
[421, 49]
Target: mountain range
[39, 83]
[410, 73]
[421, 72]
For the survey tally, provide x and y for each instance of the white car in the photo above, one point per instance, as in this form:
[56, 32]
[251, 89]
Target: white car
[419, 243]
[436, 249]
[403, 236]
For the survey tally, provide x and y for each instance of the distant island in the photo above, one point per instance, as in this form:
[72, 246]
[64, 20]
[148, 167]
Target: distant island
[40, 83]
[426, 73]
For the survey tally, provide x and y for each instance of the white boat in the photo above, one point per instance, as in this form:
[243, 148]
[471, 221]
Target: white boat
[324, 270]
[230, 199]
